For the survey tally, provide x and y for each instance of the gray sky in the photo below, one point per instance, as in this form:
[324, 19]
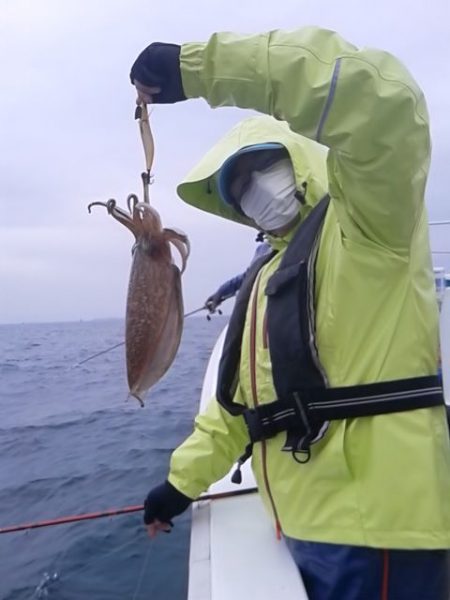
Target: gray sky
[68, 137]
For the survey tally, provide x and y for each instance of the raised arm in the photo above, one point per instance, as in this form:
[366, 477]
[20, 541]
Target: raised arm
[362, 104]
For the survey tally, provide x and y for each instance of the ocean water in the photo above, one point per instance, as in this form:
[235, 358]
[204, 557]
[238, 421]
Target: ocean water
[71, 443]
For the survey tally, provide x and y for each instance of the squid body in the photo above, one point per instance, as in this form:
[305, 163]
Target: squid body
[154, 312]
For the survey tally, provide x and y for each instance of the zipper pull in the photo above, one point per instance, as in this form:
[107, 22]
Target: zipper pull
[237, 475]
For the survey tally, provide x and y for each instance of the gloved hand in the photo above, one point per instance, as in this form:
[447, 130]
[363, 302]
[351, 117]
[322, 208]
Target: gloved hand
[163, 502]
[158, 67]
[213, 301]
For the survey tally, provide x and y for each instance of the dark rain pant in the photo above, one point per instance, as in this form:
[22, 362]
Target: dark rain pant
[338, 572]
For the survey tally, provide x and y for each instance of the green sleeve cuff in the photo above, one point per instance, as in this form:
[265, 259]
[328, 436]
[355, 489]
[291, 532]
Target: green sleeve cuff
[191, 58]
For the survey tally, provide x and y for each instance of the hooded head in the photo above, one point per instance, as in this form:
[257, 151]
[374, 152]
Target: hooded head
[260, 174]
[259, 182]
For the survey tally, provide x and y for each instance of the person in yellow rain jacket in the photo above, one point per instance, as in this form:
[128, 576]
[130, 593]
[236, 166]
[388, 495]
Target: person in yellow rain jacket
[328, 372]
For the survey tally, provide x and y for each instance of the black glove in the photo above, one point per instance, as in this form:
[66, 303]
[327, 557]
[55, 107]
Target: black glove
[163, 503]
[213, 302]
[159, 66]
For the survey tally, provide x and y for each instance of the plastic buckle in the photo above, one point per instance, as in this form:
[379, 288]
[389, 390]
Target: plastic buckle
[253, 422]
[300, 405]
[298, 438]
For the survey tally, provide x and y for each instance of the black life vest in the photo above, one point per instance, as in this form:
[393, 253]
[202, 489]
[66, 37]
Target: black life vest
[304, 401]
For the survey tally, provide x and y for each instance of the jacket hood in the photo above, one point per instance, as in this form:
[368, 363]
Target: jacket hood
[200, 187]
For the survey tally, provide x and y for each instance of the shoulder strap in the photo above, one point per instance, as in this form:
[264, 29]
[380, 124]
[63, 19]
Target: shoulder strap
[290, 310]
[231, 353]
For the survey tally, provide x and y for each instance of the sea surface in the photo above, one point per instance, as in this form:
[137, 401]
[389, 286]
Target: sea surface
[72, 443]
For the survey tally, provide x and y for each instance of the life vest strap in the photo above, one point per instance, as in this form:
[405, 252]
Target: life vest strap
[304, 411]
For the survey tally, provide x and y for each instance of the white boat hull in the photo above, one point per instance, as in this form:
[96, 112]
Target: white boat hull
[234, 551]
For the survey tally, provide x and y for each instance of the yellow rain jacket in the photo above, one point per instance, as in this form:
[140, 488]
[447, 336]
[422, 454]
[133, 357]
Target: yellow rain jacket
[380, 481]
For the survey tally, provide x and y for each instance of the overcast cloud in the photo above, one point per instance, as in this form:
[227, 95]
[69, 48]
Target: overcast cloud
[68, 137]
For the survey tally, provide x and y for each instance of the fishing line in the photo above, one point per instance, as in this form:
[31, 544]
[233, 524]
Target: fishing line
[44, 586]
[90, 563]
[117, 550]
[141, 575]
[47, 579]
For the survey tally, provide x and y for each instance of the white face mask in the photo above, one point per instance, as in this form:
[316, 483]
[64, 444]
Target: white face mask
[270, 197]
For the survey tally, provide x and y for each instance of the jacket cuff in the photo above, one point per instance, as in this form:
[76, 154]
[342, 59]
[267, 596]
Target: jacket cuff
[183, 487]
[191, 63]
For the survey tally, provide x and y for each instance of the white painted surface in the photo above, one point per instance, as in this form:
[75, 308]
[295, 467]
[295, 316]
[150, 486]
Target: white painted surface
[210, 378]
[199, 556]
[234, 551]
[247, 561]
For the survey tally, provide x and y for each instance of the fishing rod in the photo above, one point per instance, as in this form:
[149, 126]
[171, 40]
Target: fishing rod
[114, 512]
[99, 353]
[189, 314]
[193, 312]
[123, 343]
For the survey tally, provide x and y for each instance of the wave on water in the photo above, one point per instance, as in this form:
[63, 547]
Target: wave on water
[70, 443]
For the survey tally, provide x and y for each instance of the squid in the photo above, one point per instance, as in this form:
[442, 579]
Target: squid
[154, 308]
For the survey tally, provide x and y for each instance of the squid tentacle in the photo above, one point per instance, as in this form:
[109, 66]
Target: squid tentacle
[132, 203]
[181, 243]
[117, 213]
[178, 235]
[132, 200]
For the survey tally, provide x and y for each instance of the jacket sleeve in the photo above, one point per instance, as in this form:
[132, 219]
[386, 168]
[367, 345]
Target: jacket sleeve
[207, 455]
[362, 104]
[230, 287]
